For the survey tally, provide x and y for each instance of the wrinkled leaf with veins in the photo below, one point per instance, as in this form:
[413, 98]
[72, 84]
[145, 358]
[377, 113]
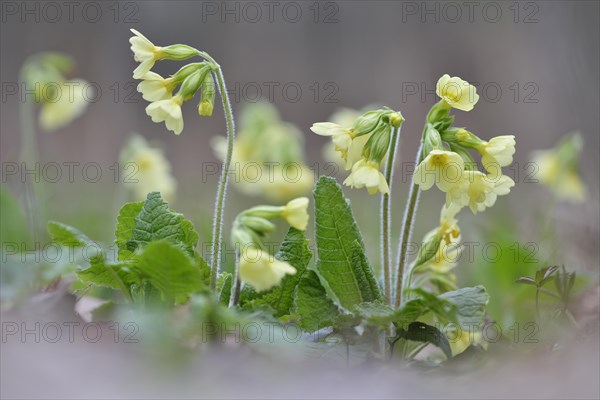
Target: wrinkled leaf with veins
[156, 221]
[311, 302]
[341, 262]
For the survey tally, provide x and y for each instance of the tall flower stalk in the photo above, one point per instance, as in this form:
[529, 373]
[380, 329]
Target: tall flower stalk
[386, 219]
[165, 107]
[443, 160]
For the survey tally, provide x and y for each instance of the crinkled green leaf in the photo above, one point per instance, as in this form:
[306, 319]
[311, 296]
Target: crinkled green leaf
[168, 268]
[66, 235]
[112, 275]
[311, 302]
[295, 251]
[341, 259]
[470, 304]
[156, 221]
[125, 226]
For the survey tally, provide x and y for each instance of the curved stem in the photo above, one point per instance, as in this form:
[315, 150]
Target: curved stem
[386, 200]
[406, 231]
[222, 188]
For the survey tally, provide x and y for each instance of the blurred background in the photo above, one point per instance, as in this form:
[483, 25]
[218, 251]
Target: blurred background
[536, 65]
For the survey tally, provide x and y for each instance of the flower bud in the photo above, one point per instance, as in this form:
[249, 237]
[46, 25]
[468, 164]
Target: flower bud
[428, 249]
[257, 224]
[396, 119]
[438, 112]
[207, 102]
[378, 144]
[431, 140]
[187, 70]
[366, 123]
[462, 137]
[178, 52]
[192, 83]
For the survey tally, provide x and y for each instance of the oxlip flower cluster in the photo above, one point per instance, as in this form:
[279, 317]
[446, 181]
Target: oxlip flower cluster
[152, 170]
[558, 168]
[165, 103]
[364, 146]
[268, 156]
[62, 100]
[446, 161]
[257, 267]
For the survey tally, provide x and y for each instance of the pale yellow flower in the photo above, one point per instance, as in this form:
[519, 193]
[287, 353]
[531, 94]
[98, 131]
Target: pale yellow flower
[446, 257]
[457, 93]
[295, 213]
[70, 103]
[151, 173]
[154, 87]
[497, 153]
[558, 169]
[366, 173]
[261, 270]
[440, 167]
[144, 52]
[480, 191]
[169, 111]
[461, 339]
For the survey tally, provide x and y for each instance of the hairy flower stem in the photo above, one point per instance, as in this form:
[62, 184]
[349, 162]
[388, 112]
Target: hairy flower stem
[406, 231]
[222, 188]
[386, 201]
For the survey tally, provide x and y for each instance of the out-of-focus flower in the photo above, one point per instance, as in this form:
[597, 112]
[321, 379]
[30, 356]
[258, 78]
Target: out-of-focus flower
[461, 339]
[261, 270]
[295, 213]
[268, 159]
[152, 170]
[68, 103]
[457, 93]
[558, 168]
[366, 174]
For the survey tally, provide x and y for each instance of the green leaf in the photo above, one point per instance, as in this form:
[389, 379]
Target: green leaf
[311, 302]
[295, 251]
[125, 226]
[470, 303]
[341, 258]
[376, 314]
[420, 332]
[14, 228]
[66, 235]
[112, 275]
[169, 269]
[157, 222]
[224, 284]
